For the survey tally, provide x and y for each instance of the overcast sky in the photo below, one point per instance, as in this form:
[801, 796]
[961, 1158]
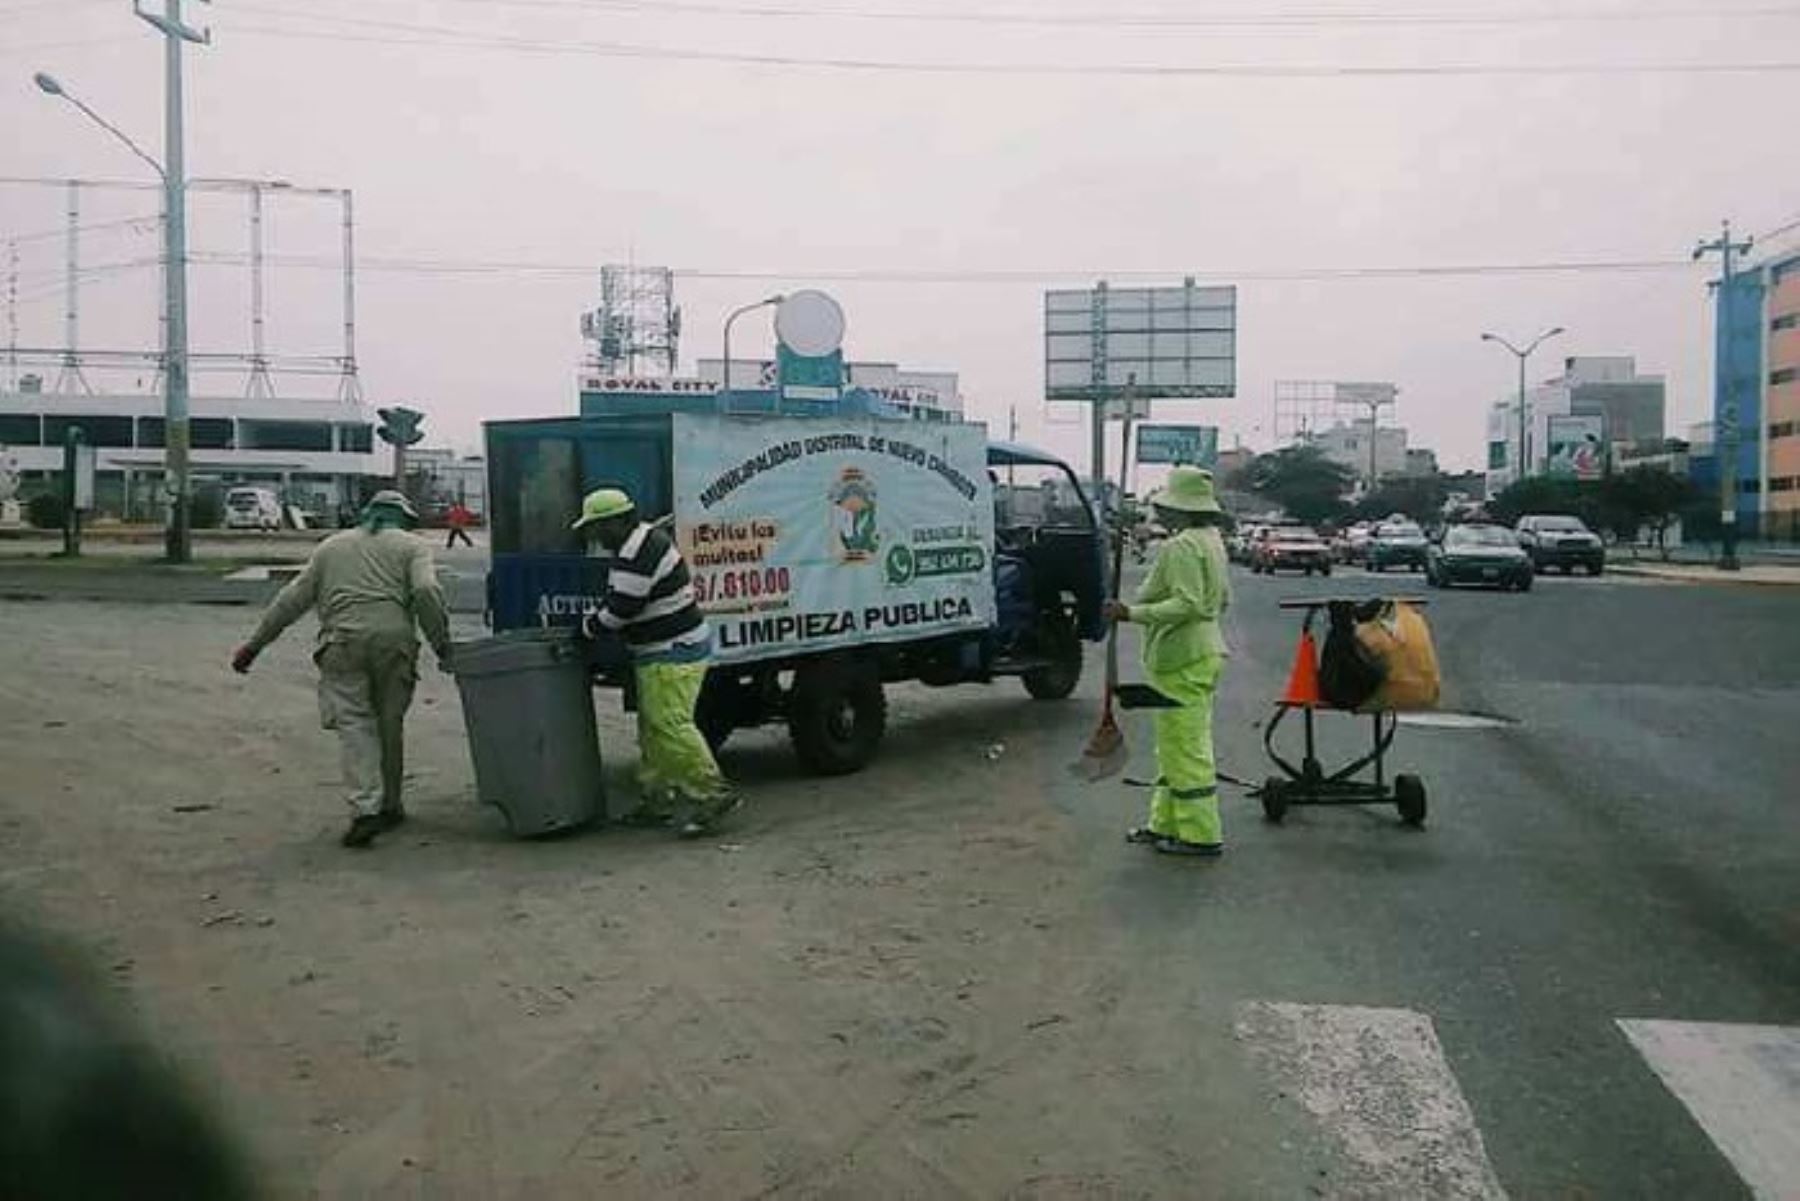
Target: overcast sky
[500, 150]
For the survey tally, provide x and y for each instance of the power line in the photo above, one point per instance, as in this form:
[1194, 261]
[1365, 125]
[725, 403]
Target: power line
[1295, 18]
[148, 220]
[959, 276]
[462, 39]
[17, 48]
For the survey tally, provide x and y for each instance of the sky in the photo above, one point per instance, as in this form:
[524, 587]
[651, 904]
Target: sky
[1068, 141]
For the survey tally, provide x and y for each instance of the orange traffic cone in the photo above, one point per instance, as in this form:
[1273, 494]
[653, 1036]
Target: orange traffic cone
[1303, 680]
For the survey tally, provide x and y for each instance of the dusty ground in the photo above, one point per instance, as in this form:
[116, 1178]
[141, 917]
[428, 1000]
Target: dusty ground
[882, 987]
[947, 976]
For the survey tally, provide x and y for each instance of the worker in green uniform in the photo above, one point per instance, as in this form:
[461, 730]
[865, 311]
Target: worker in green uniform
[370, 584]
[650, 605]
[1180, 607]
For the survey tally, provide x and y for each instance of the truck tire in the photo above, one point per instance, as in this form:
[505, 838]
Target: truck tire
[1057, 681]
[837, 714]
[716, 711]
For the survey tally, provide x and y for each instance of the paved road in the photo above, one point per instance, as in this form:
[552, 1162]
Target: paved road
[949, 976]
[1630, 849]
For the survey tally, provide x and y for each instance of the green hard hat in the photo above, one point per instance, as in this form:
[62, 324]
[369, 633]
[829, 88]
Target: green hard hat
[389, 498]
[1189, 490]
[601, 504]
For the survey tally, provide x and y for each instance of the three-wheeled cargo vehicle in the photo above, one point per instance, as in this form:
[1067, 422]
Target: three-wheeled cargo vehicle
[833, 554]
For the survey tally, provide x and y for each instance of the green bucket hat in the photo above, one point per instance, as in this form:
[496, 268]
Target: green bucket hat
[1189, 490]
[601, 504]
[388, 498]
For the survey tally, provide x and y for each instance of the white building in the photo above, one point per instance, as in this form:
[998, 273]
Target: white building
[1351, 444]
[318, 454]
[923, 394]
[452, 479]
[1601, 395]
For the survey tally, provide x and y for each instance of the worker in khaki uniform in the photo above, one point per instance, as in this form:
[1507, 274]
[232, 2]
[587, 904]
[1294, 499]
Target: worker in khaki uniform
[1180, 607]
[650, 604]
[370, 584]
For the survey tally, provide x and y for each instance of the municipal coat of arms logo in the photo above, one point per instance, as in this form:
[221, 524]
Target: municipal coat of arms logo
[853, 533]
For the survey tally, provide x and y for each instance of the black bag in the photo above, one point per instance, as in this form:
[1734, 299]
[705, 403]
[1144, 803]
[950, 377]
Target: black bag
[1348, 673]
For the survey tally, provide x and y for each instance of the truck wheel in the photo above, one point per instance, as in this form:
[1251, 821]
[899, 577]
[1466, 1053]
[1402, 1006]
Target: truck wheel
[716, 711]
[1057, 681]
[836, 716]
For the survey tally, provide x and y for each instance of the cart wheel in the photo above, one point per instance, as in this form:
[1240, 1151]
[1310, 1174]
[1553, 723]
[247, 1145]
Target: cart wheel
[1274, 799]
[1409, 798]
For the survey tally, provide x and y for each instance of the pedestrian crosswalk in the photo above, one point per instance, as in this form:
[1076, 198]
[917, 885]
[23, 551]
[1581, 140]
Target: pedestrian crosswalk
[1377, 1083]
[1742, 1084]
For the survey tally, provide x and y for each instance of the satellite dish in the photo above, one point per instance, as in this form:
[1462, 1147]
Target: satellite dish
[810, 324]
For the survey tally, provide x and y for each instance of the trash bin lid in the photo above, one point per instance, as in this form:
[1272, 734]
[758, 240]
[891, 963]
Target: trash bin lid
[514, 650]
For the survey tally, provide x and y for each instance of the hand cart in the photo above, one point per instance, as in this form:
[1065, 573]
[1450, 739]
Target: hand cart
[1310, 783]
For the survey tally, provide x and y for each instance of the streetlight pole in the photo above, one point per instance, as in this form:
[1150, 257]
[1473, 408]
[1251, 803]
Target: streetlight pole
[179, 541]
[1725, 433]
[730, 319]
[1523, 355]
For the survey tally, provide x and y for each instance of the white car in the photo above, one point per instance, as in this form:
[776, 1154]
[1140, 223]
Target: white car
[252, 509]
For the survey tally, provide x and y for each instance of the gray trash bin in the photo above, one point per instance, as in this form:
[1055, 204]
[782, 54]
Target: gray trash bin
[529, 711]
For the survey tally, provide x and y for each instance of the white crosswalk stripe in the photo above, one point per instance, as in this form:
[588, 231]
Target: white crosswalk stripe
[1377, 1082]
[1742, 1084]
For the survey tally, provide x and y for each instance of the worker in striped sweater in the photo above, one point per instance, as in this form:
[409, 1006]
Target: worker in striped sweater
[650, 604]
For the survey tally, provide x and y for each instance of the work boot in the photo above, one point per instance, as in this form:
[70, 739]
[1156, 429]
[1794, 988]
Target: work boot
[363, 830]
[1198, 850]
[707, 818]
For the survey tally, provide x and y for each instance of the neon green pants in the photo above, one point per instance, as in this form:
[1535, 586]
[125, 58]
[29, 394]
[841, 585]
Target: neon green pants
[1185, 804]
[675, 765]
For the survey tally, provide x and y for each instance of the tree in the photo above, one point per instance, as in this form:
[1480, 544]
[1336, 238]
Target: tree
[1647, 498]
[1419, 497]
[1309, 486]
[1545, 494]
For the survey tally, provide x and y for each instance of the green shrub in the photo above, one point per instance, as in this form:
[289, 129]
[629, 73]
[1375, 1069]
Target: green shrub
[45, 510]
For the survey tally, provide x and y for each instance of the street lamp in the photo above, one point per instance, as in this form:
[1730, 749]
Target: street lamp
[1522, 356]
[179, 547]
[766, 302]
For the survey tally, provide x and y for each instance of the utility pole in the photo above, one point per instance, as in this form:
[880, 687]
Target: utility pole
[1725, 436]
[176, 441]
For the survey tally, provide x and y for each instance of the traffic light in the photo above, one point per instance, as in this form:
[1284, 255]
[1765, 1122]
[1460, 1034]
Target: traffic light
[400, 426]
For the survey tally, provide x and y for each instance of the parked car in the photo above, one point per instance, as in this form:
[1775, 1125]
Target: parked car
[252, 509]
[1478, 554]
[1556, 540]
[1396, 544]
[1290, 548]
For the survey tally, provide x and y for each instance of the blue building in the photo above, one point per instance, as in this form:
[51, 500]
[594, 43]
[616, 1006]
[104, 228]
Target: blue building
[1737, 381]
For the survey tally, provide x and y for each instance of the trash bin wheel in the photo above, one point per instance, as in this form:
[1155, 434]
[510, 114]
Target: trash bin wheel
[1274, 799]
[837, 715]
[1409, 798]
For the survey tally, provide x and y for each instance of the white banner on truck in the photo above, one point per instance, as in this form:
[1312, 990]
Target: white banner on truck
[805, 534]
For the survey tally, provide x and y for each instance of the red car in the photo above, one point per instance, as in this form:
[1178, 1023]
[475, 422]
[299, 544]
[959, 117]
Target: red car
[1290, 548]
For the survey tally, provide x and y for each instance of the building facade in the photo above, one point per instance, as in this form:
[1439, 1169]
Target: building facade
[318, 455]
[1757, 374]
[1599, 398]
[1361, 445]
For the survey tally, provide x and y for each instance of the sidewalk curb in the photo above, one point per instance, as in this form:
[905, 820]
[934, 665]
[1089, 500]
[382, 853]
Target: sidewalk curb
[1701, 573]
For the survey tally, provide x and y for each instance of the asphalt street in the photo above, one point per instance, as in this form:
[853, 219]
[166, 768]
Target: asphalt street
[949, 976]
[1627, 847]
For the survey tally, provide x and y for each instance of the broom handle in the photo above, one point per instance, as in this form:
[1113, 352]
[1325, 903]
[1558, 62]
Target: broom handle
[1118, 561]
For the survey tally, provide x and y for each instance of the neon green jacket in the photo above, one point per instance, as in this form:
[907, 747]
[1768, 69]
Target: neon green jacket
[1183, 601]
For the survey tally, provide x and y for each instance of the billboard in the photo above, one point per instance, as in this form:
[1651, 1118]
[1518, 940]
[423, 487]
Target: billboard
[1577, 447]
[1194, 445]
[1165, 342]
[812, 533]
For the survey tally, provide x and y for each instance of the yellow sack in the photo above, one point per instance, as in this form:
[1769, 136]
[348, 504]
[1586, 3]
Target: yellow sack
[1398, 639]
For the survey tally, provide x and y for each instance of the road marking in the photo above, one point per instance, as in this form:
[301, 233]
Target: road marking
[1742, 1084]
[1377, 1081]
